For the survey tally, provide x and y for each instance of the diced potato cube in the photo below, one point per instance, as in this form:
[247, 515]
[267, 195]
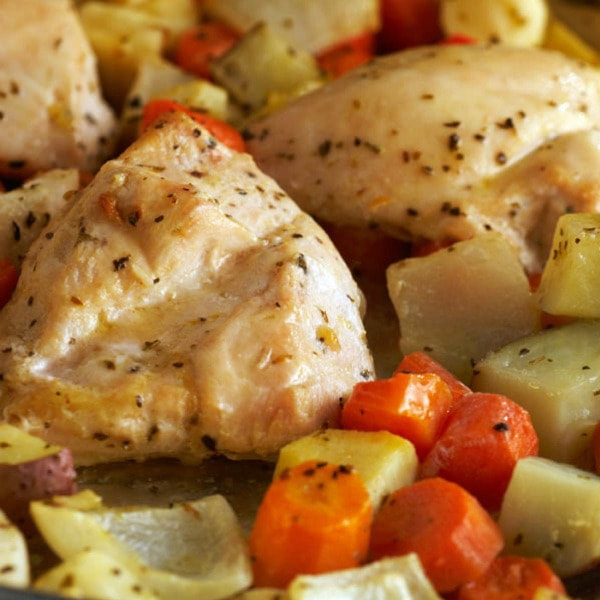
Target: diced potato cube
[311, 25]
[552, 511]
[91, 574]
[513, 22]
[262, 63]
[385, 461]
[399, 578]
[192, 550]
[14, 560]
[462, 302]
[177, 15]
[200, 95]
[553, 374]
[571, 279]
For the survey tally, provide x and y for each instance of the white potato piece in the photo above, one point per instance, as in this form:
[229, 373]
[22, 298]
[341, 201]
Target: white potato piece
[555, 376]
[400, 578]
[513, 22]
[462, 302]
[263, 62]
[14, 559]
[310, 25]
[96, 576]
[571, 278]
[192, 550]
[551, 510]
[26, 210]
[385, 461]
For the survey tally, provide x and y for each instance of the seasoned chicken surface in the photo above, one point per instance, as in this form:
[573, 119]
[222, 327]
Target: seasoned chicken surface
[26, 210]
[183, 304]
[51, 110]
[444, 142]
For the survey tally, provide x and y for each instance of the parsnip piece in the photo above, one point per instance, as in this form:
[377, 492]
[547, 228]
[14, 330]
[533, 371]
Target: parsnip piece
[91, 574]
[571, 278]
[551, 510]
[462, 302]
[178, 15]
[562, 38]
[120, 55]
[555, 376]
[385, 461]
[513, 22]
[262, 62]
[311, 25]
[30, 207]
[14, 560]
[400, 578]
[193, 550]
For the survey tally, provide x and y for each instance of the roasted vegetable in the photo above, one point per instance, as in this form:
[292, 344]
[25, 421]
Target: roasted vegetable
[552, 510]
[460, 303]
[384, 461]
[14, 560]
[31, 469]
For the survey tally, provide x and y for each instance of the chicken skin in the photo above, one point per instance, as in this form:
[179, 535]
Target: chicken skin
[444, 143]
[183, 305]
[51, 110]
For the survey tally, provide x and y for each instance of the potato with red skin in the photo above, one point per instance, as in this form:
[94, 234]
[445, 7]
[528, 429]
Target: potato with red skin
[31, 469]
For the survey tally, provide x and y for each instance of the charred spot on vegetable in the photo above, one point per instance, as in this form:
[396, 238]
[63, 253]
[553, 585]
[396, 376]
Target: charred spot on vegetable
[454, 142]
[119, 263]
[150, 344]
[109, 364]
[133, 218]
[508, 123]
[152, 432]
[427, 170]
[500, 427]
[301, 262]
[99, 436]
[49, 235]
[178, 364]
[209, 442]
[324, 148]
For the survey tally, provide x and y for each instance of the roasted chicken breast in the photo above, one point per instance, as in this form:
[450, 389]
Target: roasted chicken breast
[51, 109]
[184, 304]
[443, 143]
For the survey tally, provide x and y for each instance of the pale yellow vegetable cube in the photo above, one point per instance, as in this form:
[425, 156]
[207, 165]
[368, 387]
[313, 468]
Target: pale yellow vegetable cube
[14, 559]
[571, 279]
[385, 461]
[262, 63]
[553, 374]
[462, 302]
[311, 25]
[513, 22]
[400, 578]
[551, 510]
[92, 574]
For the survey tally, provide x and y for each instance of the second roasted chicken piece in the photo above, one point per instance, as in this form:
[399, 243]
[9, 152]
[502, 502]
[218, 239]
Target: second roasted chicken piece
[443, 143]
[184, 304]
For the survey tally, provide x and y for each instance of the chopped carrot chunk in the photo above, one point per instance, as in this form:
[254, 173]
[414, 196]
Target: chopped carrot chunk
[201, 44]
[510, 578]
[454, 537]
[410, 405]
[224, 132]
[347, 55]
[419, 362]
[484, 437]
[314, 518]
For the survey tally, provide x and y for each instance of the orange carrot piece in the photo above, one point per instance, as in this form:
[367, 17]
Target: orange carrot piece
[224, 132]
[347, 55]
[419, 362]
[314, 518]
[454, 537]
[511, 578]
[8, 280]
[484, 437]
[414, 406]
[201, 44]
